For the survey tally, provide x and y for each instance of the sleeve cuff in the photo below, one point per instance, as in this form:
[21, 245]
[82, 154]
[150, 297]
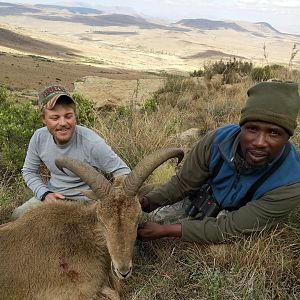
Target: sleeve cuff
[44, 195]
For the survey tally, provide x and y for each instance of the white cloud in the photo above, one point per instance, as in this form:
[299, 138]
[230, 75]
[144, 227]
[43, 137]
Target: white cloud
[264, 4]
[287, 3]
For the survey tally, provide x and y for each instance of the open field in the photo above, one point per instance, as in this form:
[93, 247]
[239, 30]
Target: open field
[41, 45]
[132, 42]
[31, 71]
[26, 75]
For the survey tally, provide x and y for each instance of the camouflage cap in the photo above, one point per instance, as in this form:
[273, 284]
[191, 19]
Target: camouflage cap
[50, 95]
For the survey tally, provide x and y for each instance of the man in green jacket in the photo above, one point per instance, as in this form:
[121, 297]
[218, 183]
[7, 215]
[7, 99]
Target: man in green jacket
[254, 153]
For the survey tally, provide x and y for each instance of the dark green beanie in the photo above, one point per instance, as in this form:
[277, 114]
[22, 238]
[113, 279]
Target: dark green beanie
[276, 102]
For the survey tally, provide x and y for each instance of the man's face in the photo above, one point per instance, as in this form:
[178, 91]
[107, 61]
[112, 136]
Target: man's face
[261, 142]
[60, 121]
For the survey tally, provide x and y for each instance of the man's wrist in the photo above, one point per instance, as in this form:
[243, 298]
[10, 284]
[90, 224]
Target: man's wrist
[45, 194]
[172, 230]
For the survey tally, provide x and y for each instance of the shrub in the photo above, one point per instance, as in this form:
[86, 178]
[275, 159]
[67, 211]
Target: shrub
[4, 94]
[86, 111]
[261, 73]
[220, 67]
[197, 73]
[17, 124]
[174, 91]
[245, 67]
[176, 84]
[267, 72]
[151, 104]
[123, 111]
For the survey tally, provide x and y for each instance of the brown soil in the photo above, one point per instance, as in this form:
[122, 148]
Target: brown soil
[35, 72]
[24, 43]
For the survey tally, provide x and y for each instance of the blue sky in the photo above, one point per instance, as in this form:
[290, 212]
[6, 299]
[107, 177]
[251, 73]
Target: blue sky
[284, 15]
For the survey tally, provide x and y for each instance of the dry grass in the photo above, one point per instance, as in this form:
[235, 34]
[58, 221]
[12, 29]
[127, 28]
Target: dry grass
[12, 193]
[135, 135]
[262, 266]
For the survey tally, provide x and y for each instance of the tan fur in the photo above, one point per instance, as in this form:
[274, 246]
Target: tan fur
[63, 250]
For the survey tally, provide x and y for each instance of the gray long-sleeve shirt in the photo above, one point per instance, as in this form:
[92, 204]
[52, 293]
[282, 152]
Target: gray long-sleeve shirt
[266, 211]
[85, 145]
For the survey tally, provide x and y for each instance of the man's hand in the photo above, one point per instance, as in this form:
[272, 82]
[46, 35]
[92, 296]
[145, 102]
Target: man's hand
[146, 205]
[152, 231]
[54, 196]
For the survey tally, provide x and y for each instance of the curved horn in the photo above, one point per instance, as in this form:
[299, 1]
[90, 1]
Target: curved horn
[95, 180]
[146, 166]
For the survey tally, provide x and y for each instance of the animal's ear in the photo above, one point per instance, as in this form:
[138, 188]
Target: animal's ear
[90, 194]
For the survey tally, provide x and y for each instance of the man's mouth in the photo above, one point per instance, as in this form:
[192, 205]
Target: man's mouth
[62, 129]
[258, 157]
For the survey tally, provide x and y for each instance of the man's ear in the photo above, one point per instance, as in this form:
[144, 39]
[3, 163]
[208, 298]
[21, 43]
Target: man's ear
[43, 119]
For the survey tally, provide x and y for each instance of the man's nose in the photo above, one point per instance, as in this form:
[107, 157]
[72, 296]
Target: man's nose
[260, 140]
[62, 121]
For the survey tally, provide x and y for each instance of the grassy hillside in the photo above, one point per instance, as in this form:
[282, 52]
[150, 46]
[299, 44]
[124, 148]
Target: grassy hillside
[262, 266]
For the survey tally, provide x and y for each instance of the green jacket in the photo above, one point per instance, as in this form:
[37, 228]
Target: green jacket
[267, 211]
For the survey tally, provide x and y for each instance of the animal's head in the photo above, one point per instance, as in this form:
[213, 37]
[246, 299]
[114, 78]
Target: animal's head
[118, 208]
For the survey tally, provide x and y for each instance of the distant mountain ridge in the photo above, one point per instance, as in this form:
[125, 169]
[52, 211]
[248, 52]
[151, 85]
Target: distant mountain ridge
[107, 36]
[206, 24]
[267, 25]
[77, 9]
[10, 9]
[96, 17]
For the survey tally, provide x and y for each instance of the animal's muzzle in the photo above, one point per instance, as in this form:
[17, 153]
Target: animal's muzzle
[121, 273]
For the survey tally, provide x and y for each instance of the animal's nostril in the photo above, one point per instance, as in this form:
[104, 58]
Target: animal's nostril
[124, 275]
[121, 273]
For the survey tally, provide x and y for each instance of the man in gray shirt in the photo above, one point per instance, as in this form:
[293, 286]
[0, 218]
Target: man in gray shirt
[61, 136]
